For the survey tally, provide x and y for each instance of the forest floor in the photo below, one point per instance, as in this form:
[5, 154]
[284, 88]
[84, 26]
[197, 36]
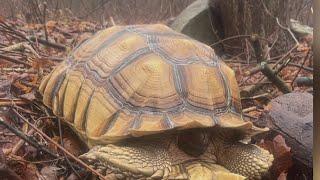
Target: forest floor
[28, 52]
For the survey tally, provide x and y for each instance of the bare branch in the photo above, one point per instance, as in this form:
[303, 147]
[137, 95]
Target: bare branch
[266, 70]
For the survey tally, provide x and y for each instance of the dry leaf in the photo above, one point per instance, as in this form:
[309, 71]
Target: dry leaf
[282, 176]
[30, 172]
[72, 145]
[49, 172]
[281, 152]
[51, 25]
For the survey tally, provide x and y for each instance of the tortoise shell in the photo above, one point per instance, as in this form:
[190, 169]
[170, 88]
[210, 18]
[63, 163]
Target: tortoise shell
[132, 81]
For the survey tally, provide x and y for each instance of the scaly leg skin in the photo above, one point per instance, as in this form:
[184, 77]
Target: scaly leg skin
[136, 160]
[155, 159]
[209, 171]
[245, 159]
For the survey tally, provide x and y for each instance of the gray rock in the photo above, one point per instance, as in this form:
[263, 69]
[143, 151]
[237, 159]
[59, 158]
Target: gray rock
[195, 22]
[292, 116]
[299, 29]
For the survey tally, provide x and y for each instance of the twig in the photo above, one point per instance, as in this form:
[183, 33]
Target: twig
[249, 116]
[271, 75]
[26, 138]
[304, 61]
[273, 63]
[30, 112]
[57, 59]
[258, 85]
[14, 47]
[289, 30]
[256, 97]
[62, 144]
[237, 36]
[285, 56]
[59, 146]
[262, 83]
[16, 147]
[309, 69]
[44, 20]
[20, 47]
[266, 70]
[12, 30]
[5, 141]
[112, 21]
[10, 102]
[253, 108]
[48, 43]
[7, 134]
[282, 66]
[13, 60]
[18, 158]
[253, 71]
[279, 24]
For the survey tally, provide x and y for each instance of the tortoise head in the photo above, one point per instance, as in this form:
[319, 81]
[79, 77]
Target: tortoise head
[194, 141]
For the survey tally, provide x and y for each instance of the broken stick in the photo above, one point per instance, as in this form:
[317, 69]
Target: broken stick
[266, 69]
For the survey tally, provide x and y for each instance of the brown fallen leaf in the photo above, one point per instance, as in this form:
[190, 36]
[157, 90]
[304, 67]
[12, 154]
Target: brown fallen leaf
[5, 171]
[280, 146]
[51, 25]
[53, 147]
[49, 172]
[281, 152]
[31, 151]
[282, 176]
[72, 145]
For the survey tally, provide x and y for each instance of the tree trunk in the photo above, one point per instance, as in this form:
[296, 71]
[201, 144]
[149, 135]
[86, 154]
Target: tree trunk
[247, 17]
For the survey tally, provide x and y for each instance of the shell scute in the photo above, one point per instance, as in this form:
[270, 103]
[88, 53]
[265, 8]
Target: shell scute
[100, 112]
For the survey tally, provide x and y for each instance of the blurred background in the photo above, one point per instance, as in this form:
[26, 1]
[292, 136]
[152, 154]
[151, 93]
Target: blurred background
[123, 12]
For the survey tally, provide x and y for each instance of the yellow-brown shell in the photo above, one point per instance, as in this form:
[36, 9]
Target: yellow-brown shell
[130, 81]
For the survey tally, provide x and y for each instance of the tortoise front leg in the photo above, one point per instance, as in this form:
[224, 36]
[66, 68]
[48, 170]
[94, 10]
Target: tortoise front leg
[204, 170]
[142, 159]
[245, 159]
[154, 161]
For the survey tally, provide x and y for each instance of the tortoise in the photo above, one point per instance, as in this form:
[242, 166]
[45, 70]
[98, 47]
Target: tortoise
[152, 103]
